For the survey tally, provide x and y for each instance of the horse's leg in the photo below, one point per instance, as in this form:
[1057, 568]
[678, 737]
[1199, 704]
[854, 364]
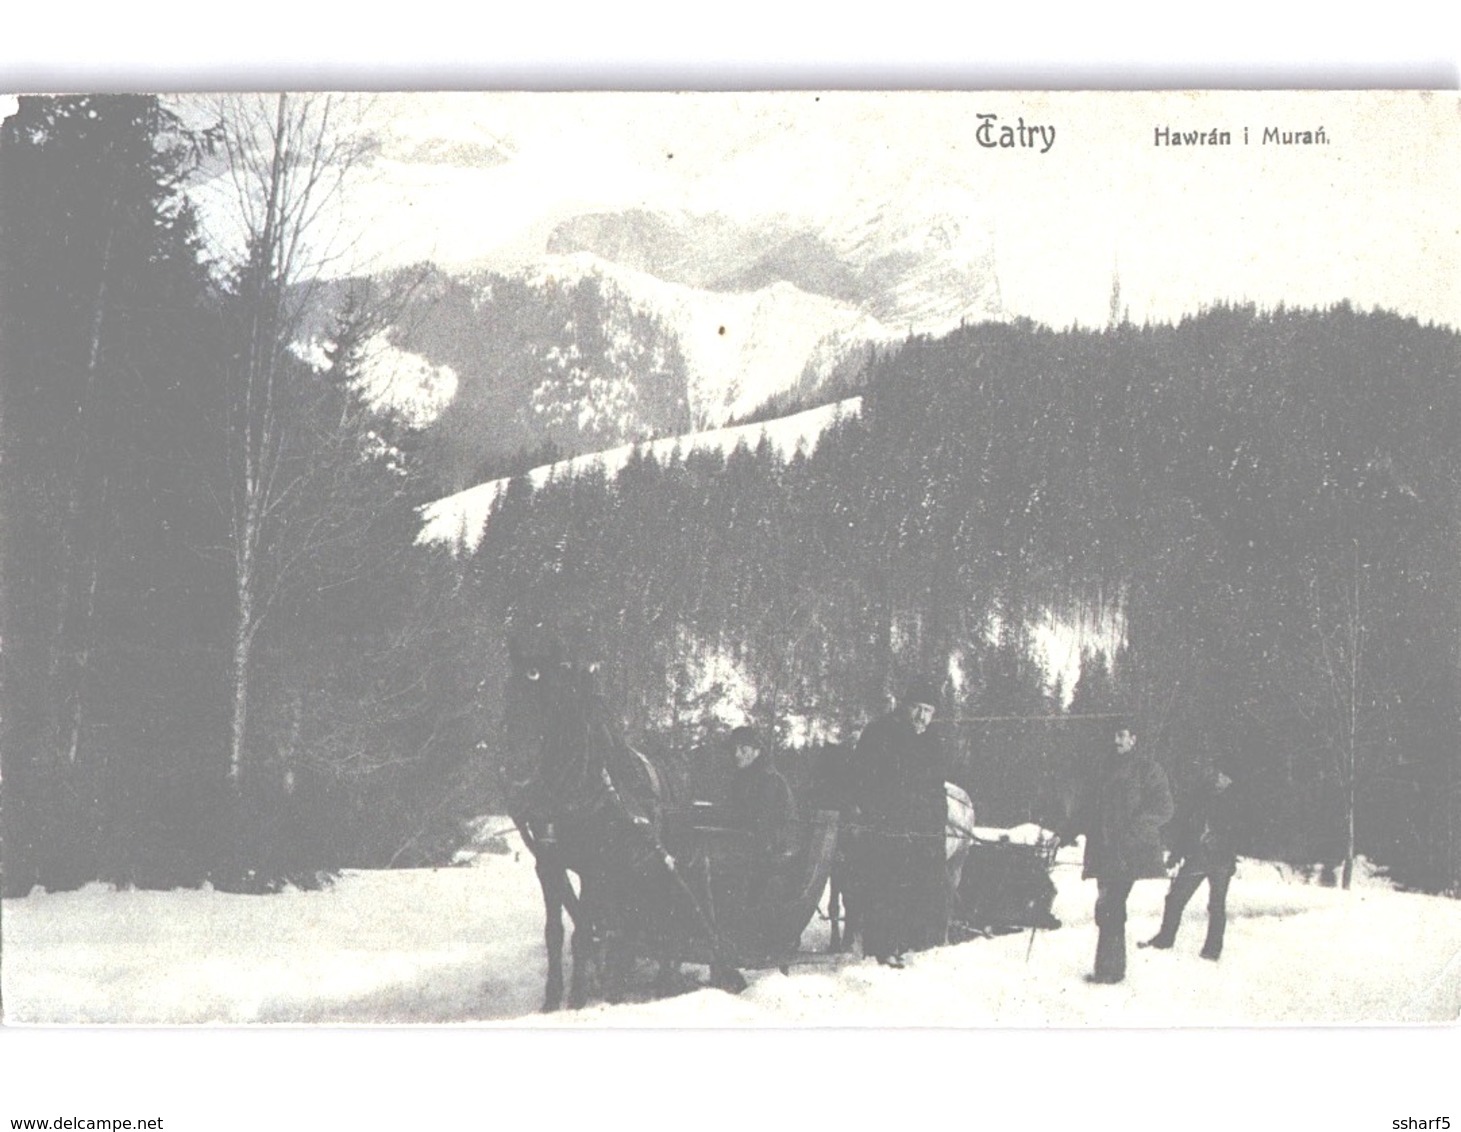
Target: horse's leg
[953, 876]
[847, 897]
[615, 955]
[621, 918]
[552, 881]
[618, 962]
[585, 942]
[671, 976]
[834, 912]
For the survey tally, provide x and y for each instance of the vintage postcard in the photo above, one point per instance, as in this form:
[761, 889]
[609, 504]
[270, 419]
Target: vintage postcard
[808, 559]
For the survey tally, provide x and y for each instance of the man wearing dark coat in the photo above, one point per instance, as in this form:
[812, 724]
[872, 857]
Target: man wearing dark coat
[1206, 838]
[760, 805]
[1121, 814]
[900, 808]
[760, 801]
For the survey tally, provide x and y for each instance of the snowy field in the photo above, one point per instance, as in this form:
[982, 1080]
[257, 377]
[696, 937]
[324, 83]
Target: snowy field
[463, 945]
[989, 1034]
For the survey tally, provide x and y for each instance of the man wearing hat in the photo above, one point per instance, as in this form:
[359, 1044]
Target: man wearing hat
[898, 793]
[759, 800]
[1121, 813]
[1205, 837]
[761, 809]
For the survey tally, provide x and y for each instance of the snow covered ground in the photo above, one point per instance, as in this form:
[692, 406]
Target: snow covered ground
[463, 945]
[989, 1033]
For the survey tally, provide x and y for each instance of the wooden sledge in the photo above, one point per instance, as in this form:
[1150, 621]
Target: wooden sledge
[1005, 887]
[759, 918]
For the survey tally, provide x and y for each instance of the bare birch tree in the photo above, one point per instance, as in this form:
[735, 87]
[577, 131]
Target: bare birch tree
[289, 160]
[1338, 698]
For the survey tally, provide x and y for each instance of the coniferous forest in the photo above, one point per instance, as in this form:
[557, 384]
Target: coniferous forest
[225, 659]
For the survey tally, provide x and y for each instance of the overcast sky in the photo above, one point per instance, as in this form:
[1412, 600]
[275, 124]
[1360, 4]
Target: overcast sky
[1370, 217]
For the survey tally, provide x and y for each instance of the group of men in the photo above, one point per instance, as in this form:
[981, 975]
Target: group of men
[1121, 813]
[897, 812]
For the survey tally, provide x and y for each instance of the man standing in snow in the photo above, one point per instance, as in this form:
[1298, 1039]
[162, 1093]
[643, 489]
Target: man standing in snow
[1121, 814]
[1205, 837]
[898, 792]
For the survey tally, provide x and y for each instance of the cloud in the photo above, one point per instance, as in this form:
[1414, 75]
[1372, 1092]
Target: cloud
[444, 151]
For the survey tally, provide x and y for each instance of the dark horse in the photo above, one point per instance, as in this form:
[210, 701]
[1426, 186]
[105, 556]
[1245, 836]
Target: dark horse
[591, 806]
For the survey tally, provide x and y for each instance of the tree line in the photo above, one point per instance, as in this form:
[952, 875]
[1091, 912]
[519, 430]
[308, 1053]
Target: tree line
[215, 665]
[1252, 514]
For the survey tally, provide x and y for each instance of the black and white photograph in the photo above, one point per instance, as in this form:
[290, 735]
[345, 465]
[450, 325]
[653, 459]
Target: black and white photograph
[807, 559]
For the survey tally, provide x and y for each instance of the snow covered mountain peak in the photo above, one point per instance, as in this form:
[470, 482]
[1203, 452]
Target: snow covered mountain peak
[635, 324]
[741, 347]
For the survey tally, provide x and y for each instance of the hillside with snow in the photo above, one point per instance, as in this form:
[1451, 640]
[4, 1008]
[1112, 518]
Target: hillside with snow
[459, 520]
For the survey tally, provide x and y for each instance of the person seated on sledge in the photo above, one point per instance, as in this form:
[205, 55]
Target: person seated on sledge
[759, 812]
[760, 803]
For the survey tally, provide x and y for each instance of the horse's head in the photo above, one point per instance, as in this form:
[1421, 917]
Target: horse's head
[549, 679]
[549, 712]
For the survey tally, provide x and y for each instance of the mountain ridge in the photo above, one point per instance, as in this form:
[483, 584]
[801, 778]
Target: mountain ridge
[636, 324]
